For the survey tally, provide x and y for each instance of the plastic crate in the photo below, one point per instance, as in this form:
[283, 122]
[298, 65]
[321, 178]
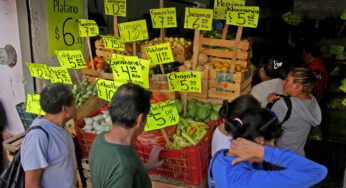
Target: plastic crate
[85, 139]
[25, 117]
[189, 165]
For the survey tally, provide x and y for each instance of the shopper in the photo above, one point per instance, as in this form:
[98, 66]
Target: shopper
[222, 137]
[240, 166]
[311, 60]
[48, 155]
[3, 124]
[113, 160]
[305, 109]
[269, 71]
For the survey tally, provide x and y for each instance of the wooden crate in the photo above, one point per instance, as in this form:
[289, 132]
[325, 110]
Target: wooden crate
[205, 83]
[91, 74]
[180, 54]
[13, 144]
[107, 53]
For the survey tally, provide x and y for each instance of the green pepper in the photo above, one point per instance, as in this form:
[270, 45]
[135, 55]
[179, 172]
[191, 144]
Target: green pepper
[188, 138]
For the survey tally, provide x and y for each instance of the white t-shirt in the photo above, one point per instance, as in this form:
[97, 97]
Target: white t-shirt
[220, 141]
[263, 89]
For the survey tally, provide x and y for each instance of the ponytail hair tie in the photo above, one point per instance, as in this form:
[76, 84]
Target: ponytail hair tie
[223, 120]
[237, 119]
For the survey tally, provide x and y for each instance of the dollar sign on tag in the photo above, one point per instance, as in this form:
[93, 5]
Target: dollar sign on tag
[57, 36]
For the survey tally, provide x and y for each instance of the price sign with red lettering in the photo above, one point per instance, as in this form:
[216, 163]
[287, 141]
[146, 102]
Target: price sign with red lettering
[63, 27]
[33, 104]
[72, 59]
[198, 18]
[59, 75]
[38, 70]
[160, 54]
[133, 31]
[87, 28]
[115, 7]
[243, 16]
[185, 81]
[163, 17]
[162, 115]
[113, 43]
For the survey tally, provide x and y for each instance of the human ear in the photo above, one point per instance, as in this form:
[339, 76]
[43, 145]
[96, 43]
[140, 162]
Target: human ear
[260, 140]
[140, 119]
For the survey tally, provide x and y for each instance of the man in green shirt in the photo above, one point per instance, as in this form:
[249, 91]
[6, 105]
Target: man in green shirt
[113, 160]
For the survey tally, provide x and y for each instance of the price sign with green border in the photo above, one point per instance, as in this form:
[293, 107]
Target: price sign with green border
[115, 7]
[72, 59]
[59, 75]
[113, 43]
[163, 17]
[198, 18]
[160, 54]
[162, 115]
[87, 28]
[243, 16]
[33, 104]
[106, 88]
[222, 6]
[133, 31]
[185, 81]
[38, 70]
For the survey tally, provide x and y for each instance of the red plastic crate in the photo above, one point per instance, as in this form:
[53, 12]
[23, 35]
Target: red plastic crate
[85, 139]
[189, 165]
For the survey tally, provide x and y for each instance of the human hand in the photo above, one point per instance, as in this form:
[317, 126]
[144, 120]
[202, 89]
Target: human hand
[272, 97]
[246, 150]
[153, 161]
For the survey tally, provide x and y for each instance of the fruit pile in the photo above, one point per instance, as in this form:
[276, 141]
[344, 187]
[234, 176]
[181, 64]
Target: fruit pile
[83, 92]
[225, 67]
[175, 42]
[99, 63]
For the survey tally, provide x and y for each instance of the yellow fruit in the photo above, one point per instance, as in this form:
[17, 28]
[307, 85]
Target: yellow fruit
[218, 69]
[217, 64]
[226, 65]
[238, 67]
[224, 69]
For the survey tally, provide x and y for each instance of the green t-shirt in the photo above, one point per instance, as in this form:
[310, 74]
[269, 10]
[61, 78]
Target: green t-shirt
[114, 165]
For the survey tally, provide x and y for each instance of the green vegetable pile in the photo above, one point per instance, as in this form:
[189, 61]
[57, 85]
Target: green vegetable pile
[199, 111]
[83, 92]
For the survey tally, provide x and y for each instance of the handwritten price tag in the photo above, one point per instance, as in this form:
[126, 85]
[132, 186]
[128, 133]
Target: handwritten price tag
[185, 81]
[59, 75]
[162, 115]
[163, 17]
[243, 16]
[131, 68]
[87, 28]
[133, 31]
[72, 59]
[160, 54]
[113, 43]
[343, 15]
[115, 7]
[337, 50]
[62, 27]
[198, 18]
[222, 6]
[106, 88]
[33, 104]
[38, 70]
[294, 20]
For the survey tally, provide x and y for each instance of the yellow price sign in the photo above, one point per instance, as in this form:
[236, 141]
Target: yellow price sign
[160, 54]
[163, 17]
[72, 59]
[87, 28]
[59, 75]
[115, 7]
[185, 81]
[337, 50]
[33, 104]
[38, 70]
[198, 18]
[286, 16]
[162, 115]
[294, 20]
[343, 15]
[221, 7]
[131, 68]
[133, 31]
[106, 88]
[243, 16]
[113, 43]
[117, 55]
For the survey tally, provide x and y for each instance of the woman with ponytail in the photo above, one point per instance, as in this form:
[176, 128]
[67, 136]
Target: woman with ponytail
[254, 133]
[222, 137]
[305, 111]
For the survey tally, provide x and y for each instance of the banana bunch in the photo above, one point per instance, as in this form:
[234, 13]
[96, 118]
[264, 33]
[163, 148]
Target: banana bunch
[189, 133]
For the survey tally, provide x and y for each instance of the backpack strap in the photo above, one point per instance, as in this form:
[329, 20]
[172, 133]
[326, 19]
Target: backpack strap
[38, 127]
[211, 177]
[288, 103]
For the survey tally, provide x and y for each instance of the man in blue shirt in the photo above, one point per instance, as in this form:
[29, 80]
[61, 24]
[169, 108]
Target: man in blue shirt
[49, 160]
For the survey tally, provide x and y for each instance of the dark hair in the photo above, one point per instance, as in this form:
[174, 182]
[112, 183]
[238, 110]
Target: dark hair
[238, 106]
[55, 96]
[255, 123]
[306, 77]
[311, 49]
[128, 103]
[272, 65]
